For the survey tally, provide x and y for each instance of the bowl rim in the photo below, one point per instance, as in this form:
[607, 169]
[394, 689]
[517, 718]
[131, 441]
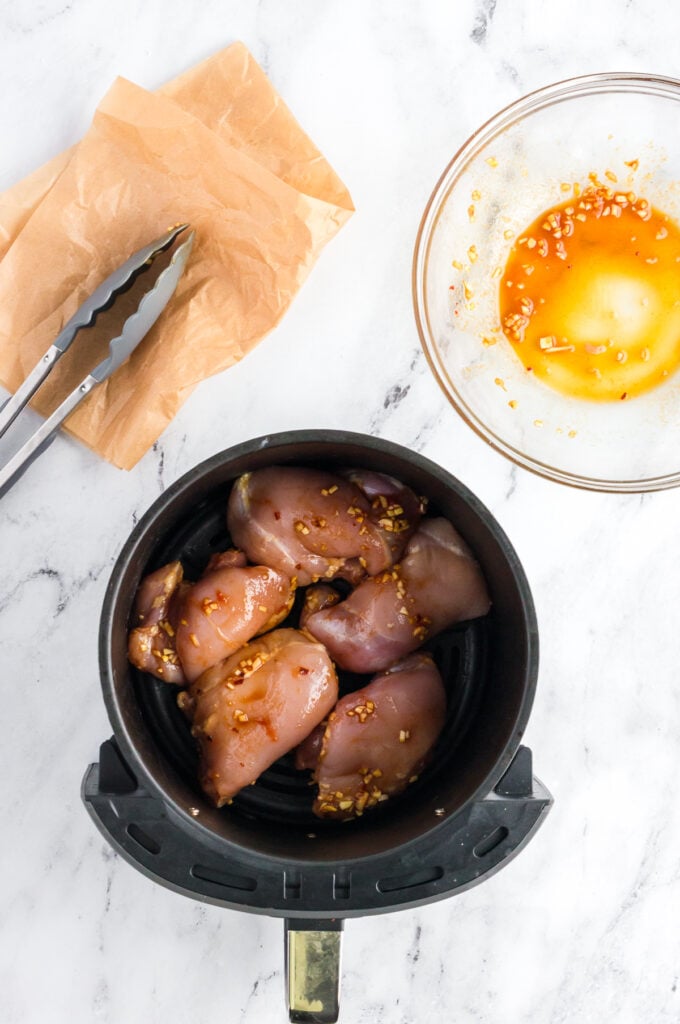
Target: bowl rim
[537, 99]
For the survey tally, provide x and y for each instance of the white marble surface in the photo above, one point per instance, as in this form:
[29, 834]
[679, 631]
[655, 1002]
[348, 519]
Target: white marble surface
[581, 927]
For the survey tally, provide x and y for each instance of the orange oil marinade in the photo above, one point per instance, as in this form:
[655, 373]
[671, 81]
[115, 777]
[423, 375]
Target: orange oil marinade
[590, 296]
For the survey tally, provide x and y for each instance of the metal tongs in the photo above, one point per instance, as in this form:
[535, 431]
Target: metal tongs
[134, 329]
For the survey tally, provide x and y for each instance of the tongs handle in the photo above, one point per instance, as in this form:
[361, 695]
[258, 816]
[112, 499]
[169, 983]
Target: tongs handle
[43, 436]
[22, 396]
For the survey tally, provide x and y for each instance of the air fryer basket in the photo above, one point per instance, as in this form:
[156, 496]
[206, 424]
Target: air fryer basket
[268, 852]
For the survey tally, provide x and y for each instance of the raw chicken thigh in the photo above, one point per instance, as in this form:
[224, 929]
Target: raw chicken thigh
[229, 605]
[184, 628]
[151, 644]
[312, 524]
[394, 506]
[250, 701]
[437, 583]
[256, 706]
[307, 754]
[318, 596]
[377, 739]
[232, 558]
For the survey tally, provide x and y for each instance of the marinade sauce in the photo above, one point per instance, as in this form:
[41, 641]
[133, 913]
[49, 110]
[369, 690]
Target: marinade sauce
[590, 296]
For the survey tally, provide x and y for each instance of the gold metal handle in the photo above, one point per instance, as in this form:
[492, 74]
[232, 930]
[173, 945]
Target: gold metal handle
[313, 970]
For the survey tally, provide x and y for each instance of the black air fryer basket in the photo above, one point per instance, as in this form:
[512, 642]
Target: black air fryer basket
[471, 810]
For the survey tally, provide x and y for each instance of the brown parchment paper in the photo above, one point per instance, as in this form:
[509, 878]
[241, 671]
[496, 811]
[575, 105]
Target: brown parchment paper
[216, 147]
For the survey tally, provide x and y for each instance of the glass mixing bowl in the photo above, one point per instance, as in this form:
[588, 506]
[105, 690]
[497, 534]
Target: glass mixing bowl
[512, 169]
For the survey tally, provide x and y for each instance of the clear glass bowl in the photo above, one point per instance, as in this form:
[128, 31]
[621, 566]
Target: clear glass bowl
[511, 170]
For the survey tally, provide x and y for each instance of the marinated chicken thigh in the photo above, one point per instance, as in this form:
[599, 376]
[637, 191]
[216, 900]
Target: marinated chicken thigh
[318, 596]
[394, 506]
[312, 524]
[436, 584]
[377, 739]
[307, 754]
[255, 706]
[151, 644]
[254, 692]
[184, 628]
[227, 607]
[232, 558]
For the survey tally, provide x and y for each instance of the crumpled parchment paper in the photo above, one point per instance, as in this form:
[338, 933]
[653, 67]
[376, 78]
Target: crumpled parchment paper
[216, 147]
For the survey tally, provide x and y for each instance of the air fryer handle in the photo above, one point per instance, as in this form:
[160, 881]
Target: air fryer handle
[313, 970]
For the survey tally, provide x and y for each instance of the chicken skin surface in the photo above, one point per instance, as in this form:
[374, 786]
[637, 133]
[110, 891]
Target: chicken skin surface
[312, 524]
[151, 643]
[436, 584]
[377, 739]
[228, 606]
[183, 628]
[255, 706]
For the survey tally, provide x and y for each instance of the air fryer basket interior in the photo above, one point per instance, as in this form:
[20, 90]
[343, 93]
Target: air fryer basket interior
[489, 665]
